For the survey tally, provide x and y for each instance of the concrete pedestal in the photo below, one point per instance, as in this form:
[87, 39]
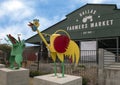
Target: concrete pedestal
[52, 80]
[14, 77]
[2, 65]
[112, 76]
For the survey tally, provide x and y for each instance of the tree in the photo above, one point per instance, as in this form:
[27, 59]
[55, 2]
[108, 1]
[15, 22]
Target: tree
[6, 49]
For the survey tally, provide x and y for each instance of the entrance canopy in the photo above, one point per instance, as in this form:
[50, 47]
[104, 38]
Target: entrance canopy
[91, 21]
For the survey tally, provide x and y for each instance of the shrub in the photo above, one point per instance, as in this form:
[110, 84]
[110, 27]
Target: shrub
[36, 73]
[85, 81]
[82, 66]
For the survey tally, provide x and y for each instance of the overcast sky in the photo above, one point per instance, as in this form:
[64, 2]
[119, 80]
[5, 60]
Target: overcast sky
[15, 14]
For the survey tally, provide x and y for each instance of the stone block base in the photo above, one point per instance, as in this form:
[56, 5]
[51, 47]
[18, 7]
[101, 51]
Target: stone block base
[14, 77]
[50, 79]
[2, 65]
[112, 76]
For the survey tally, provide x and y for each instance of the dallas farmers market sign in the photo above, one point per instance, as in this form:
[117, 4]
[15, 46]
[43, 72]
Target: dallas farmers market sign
[87, 19]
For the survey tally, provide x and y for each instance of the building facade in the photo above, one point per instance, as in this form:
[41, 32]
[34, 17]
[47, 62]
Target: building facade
[99, 23]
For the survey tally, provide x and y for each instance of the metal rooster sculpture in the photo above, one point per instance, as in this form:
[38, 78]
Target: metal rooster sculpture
[60, 45]
[16, 52]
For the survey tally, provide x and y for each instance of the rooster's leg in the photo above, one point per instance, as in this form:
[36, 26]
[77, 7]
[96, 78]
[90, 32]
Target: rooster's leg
[55, 69]
[63, 69]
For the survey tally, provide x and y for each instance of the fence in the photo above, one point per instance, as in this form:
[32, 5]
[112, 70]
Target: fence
[111, 56]
[87, 67]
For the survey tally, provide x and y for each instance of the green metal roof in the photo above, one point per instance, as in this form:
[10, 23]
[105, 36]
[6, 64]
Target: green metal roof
[91, 21]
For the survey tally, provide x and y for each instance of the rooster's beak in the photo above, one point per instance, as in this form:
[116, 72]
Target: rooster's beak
[30, 24]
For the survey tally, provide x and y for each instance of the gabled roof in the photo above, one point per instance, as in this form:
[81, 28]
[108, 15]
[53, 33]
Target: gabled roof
[88, 4]
[105, 12]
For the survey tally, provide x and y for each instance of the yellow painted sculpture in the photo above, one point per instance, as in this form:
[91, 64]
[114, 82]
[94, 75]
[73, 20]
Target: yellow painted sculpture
[60, 45]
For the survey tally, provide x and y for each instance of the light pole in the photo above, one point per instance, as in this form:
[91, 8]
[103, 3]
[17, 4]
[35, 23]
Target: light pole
[40, 58]
[37, 60]
[0, 40]
[19, 36]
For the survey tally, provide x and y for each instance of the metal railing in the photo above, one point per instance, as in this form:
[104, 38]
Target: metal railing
[87, 66]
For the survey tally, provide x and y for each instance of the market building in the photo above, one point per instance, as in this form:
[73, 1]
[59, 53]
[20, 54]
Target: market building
[91, 22]
[96, 30]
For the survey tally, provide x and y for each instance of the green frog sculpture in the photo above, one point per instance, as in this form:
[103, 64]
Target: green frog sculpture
[16, 58]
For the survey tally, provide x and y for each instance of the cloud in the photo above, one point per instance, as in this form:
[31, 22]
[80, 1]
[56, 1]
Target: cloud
[96, 1]
[46, 22]
[43, 1]
[13, 15]
[14, 31]
[24, 30]
[89, 1]
[15, 9]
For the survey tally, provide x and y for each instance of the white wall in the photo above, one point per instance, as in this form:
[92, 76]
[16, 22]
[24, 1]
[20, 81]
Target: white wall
[88, 45]
[88, 50]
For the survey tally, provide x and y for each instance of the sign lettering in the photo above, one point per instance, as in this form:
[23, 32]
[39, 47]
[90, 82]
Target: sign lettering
[88, 22]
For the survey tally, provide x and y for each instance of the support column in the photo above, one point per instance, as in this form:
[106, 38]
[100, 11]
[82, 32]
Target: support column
[101, 67]
[117, 50]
